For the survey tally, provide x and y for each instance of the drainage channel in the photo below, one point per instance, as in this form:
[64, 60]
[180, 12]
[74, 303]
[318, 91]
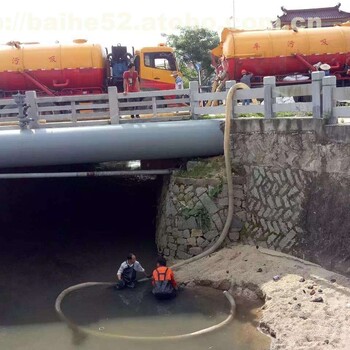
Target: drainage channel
[57, 233]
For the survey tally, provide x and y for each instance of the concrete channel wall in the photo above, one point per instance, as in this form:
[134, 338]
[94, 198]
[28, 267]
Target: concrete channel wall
[292, 194]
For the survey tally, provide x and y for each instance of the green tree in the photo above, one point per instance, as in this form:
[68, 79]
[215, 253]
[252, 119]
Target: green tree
[192, 47]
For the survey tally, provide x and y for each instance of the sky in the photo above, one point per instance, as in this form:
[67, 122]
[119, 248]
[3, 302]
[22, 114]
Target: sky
[135, 23]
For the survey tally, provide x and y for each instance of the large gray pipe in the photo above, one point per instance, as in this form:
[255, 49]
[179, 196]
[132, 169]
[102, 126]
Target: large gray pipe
[163, 140]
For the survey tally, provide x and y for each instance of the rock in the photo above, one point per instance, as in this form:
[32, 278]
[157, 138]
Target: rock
[191, 165]
[312, 292]
[259, 269]
[224, 285]
[234, 235]
[276, 278]
[273, 334]
[166, 252]
[268, 298]
[333, 280]
[196, 233]
[318, 300]
[326, 341]
[204, 283]
[186, 234]
[302, 279]
[236, 223]
[192, 241]
[295, 298]
[200, 191]
[183, 255]
[320, 291]
[227, 271]
[297, 306]
[195, 250]
[310, 287]
[211, 235]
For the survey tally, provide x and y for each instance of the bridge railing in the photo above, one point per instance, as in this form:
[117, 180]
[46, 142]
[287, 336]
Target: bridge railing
[323, 100]
[101, 109]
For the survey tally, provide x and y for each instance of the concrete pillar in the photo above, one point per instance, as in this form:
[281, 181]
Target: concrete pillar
[316, 89]
[269, 86]
[194, 88]
[32, 112]
[328, 84]
[113, 105]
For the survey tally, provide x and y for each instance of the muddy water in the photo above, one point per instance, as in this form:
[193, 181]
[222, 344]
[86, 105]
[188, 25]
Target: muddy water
[57, 233]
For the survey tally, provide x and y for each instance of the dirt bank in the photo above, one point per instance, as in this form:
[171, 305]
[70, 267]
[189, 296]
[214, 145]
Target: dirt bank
[292, 316]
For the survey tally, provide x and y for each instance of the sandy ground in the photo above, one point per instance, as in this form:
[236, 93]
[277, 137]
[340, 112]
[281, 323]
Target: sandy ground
[290, 315]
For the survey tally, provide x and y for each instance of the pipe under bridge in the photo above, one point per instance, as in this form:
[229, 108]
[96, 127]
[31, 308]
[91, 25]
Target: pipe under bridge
[121, 142]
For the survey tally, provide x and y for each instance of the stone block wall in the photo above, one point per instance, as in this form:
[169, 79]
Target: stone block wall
[275, 199]
[297, 188]
[192, 215]
[291, 193]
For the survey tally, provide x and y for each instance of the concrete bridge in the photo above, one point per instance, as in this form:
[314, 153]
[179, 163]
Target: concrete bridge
[291, 174]
[40, 131]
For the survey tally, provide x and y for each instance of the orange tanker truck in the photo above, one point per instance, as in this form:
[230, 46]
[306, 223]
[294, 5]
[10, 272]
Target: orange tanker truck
[282, 53]
[80, 68]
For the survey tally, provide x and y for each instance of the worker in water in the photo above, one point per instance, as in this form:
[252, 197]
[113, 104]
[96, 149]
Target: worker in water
[164, 284]
[127, 272]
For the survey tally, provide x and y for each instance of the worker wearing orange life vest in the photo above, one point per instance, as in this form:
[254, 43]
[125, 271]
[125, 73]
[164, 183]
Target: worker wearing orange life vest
[164, 284]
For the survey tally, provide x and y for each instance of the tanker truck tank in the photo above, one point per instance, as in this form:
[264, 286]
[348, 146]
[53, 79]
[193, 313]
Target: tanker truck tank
[78, 67]
[286, 52]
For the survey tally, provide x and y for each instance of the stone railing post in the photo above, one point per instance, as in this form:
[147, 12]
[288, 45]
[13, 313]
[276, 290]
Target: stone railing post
[316, 90]
[269, 86]
[328, 84]
[194, 88]
[32, 111]
[113, 105]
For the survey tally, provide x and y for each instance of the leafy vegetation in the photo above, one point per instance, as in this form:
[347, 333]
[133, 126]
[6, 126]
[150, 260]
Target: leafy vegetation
[200, 214]
[192, 47]
[205, 168]
[216, 190]
[293, 114]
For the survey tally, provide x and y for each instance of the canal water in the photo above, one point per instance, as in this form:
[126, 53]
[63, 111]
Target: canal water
[60, 232]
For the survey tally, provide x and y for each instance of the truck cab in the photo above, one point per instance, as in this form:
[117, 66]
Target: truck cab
[153, 64]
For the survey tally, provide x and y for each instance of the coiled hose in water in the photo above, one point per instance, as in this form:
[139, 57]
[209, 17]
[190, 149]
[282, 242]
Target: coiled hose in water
[88, 331]
[218, 243]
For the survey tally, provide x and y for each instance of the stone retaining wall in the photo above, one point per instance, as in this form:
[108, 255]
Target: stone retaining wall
[297, 188]
[192, 214]
[291, 193]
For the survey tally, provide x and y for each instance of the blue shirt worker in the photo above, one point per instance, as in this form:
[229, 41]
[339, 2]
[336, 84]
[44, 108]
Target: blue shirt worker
[246, 79]
[179, 84]
[127, 272]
